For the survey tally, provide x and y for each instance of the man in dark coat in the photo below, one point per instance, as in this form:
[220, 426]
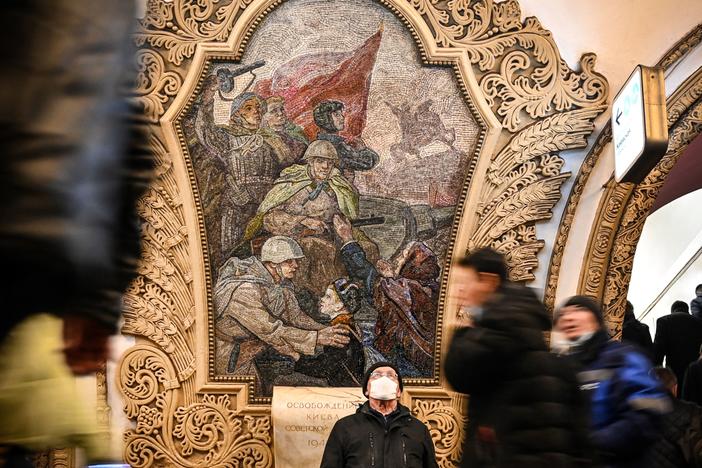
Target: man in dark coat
[696, 303]
[382, 433]
[667, 451]
[525, 409]
[635, 332]
[626, 403]
[678, 339]
[692, 385]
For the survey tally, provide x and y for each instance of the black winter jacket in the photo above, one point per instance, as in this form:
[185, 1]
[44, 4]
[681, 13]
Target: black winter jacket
[696, 307]
[366, 440]
[74, 159]
[678, 339]
[667, 452]
[525, 408]
[637, 333]
[692, 385]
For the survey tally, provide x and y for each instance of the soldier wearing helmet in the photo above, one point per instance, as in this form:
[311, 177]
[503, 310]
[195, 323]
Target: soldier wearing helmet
[257, 314]
[353, 155]
[302, 205]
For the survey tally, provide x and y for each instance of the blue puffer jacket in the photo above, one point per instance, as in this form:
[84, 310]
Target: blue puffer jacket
[626, 403]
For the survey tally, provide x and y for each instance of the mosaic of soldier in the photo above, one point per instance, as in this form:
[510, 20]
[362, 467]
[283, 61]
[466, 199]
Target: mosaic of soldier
[246, 161]
[353, 155]
[291, 134]
[302, 205]
[260, 329]
[254, 159]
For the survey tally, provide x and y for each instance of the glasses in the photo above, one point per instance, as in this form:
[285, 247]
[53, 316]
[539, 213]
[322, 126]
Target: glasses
[377, 375]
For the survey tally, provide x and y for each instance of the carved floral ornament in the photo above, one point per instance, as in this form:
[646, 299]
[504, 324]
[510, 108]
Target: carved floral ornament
[616, 197]
[514, 76]
[624, 209]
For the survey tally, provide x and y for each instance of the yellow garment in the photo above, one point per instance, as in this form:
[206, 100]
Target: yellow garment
[292, 180]
[40, 406]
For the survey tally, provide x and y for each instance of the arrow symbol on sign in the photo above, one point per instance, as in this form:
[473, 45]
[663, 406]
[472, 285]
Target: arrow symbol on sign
[618, 115]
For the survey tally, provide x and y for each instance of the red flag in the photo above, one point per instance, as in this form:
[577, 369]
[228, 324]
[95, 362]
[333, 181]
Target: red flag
[306, 81]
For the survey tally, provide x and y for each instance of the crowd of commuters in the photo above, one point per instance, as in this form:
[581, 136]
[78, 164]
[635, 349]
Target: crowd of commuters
[589, 400]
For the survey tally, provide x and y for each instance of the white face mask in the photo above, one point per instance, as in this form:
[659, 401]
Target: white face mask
[383, 388]
[561, 344]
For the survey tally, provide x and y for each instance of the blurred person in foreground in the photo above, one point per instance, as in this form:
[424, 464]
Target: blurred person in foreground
[382, 433]
[635, 332]
[678, 339]
[525, 408]
[74, 161]
[626, 403]
[668, 451]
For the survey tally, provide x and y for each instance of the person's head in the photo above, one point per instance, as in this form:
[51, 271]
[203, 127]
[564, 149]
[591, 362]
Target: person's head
[280, 255]
[629, 311]
[329, 116]
[246, 110]
[667, 378]
[478, 276]
[679, 307]
[698, 290]
[275, 117]
[579, 316]
[382, 382]
[341, 296]
[321, 158]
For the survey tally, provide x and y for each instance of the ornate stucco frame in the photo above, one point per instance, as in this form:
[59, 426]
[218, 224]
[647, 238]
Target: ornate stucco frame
[622, 210]
[182, 417]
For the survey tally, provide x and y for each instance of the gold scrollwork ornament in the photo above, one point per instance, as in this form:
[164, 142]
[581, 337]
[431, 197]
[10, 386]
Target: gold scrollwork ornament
[206, 433]
[446, 427]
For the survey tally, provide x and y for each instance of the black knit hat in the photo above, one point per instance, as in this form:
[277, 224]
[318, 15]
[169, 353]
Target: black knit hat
[370, 370]
[583, 302]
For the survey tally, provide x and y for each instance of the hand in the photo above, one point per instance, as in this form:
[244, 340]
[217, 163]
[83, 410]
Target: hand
[342, 226]
[85, 344]
[314, 224]
[384, 268]
[336, 336]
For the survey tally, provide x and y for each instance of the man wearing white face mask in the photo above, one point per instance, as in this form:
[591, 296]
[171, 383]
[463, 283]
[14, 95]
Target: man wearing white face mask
[382, 433]
[626, 403]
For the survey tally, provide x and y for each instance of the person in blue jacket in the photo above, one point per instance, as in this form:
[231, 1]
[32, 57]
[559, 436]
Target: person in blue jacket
[626, 403]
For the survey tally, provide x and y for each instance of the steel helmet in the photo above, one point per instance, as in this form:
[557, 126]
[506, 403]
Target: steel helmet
[278, 249]
[321, 149]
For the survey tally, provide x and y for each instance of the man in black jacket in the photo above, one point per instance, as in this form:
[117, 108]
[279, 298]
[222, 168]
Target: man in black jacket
[667, 452]
[692, 385]
[696, 303]
[636, 332]
[678, 339]
[382, 433]
[525, 409]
